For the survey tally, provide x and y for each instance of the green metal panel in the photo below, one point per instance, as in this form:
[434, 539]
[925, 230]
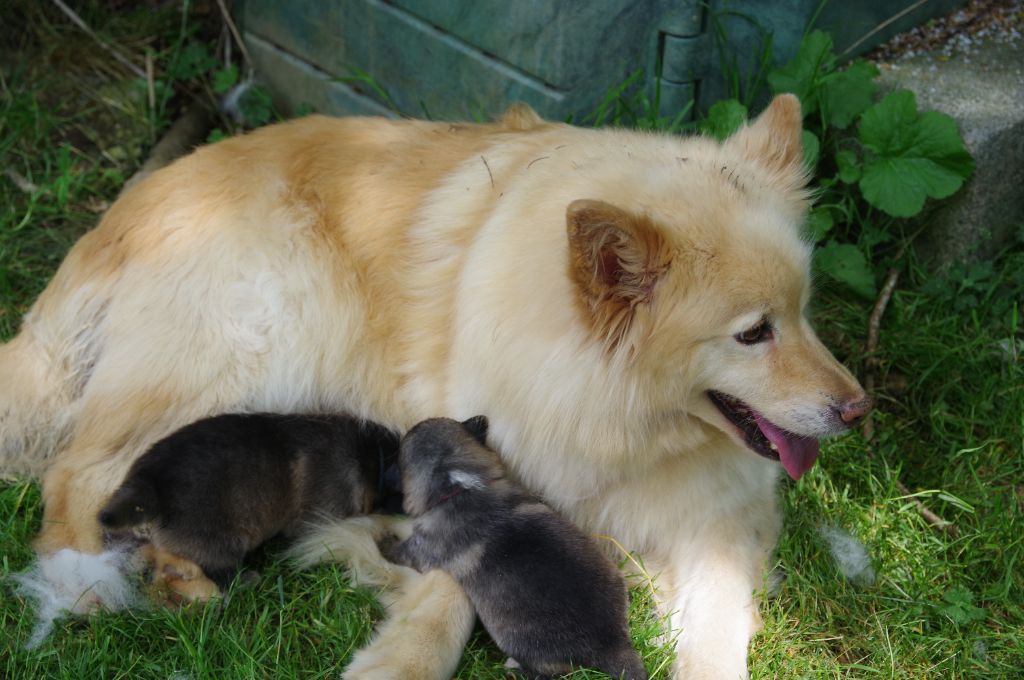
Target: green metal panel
[856, 27]
[468, 58]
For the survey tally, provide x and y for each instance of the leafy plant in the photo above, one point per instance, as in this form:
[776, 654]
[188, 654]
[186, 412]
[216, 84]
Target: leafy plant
[959, 606]
[909, 155]
[193, 67]
[876, 163]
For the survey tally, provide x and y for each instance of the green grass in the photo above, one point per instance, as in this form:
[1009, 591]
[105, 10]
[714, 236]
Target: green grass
[950, 425]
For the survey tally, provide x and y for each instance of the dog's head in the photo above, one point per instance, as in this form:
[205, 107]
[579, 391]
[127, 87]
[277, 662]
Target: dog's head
[439, 457]
[701, 286]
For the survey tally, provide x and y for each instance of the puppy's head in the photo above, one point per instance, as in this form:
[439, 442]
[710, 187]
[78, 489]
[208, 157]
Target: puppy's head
[440, 456]
[696, 280]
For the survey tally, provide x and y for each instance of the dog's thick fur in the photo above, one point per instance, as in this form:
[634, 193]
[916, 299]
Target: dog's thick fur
[218, 488]
[585, 289]
[548, 597]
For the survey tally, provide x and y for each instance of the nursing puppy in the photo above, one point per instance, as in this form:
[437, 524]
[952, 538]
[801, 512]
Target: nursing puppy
[547, 596]
[216, 489]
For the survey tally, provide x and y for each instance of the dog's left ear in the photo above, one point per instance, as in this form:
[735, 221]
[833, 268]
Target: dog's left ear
[615, 259]
[773, 139]
[477, 426]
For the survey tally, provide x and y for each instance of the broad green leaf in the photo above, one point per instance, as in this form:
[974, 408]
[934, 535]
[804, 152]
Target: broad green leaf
[819, 223]
[802, 74]
[872, 234]
[849, 166]
[960, 606]
[724, 118]
[191, 62]
[845, 263]
[812, 147]
[846, 94]
[225, 79]
[909, 156]
[216, 134]
[256, 107]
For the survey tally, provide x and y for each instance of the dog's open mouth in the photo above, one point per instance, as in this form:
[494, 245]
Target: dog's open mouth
[797, 453]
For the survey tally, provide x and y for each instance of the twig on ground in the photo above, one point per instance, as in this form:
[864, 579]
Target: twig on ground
[77, 20]
[933, 520]
[150, 81]
[234, 31]
[20, 181]
[871, 365]
[882, 25]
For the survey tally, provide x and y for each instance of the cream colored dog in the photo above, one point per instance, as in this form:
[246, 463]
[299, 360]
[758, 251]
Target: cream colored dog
[627, 309]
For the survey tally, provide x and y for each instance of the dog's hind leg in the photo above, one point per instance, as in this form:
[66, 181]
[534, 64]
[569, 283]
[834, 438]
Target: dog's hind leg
[35, 413]
[85, 474]
[428, 625]
[429, 617]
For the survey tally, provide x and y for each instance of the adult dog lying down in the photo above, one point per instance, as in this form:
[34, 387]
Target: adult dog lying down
[626, 308]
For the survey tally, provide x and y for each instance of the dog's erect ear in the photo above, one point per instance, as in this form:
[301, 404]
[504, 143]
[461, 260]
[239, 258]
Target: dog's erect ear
[615, 259]
[773, 139]
[477, 426]
[519, 117]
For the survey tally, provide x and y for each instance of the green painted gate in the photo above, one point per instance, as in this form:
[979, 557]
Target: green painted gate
[466, 59]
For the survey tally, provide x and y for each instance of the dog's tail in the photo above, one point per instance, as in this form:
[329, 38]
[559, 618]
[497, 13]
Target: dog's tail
[353, 542]
[131, 505]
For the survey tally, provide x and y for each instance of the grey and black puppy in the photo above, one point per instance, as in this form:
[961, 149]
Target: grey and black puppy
[545, 593]
[214, 490]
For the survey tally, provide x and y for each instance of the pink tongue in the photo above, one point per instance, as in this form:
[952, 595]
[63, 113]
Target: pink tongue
[797, 454]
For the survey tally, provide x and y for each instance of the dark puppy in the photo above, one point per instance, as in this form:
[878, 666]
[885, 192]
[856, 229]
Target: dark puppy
[216, 489]
[547, 596]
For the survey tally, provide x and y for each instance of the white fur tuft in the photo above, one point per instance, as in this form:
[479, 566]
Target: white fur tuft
[465, 479]
[77, 583]
[850, 554]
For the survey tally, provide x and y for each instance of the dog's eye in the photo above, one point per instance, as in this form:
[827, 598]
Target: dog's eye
[759, 332]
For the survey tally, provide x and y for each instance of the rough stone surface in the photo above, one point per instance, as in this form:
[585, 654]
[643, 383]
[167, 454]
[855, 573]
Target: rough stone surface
[982, 88]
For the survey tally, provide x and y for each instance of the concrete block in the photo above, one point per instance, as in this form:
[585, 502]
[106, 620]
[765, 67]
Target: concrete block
[983, 90]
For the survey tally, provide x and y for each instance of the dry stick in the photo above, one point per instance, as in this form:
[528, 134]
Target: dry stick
[234, 31]
[882, 25]
[77, 20]
[871, 364]
[150, 81]
[24, 184]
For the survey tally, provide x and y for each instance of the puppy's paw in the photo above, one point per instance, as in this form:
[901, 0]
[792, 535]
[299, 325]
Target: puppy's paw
[388, 546]
[178, 581]
[176, 592]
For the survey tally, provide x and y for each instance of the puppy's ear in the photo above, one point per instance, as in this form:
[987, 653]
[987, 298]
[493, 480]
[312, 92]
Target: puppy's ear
[615, 259]
[477, 426]
[773, 139]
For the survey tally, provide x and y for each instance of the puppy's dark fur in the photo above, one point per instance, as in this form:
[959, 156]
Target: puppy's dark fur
[216, 489]
[547, 596]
